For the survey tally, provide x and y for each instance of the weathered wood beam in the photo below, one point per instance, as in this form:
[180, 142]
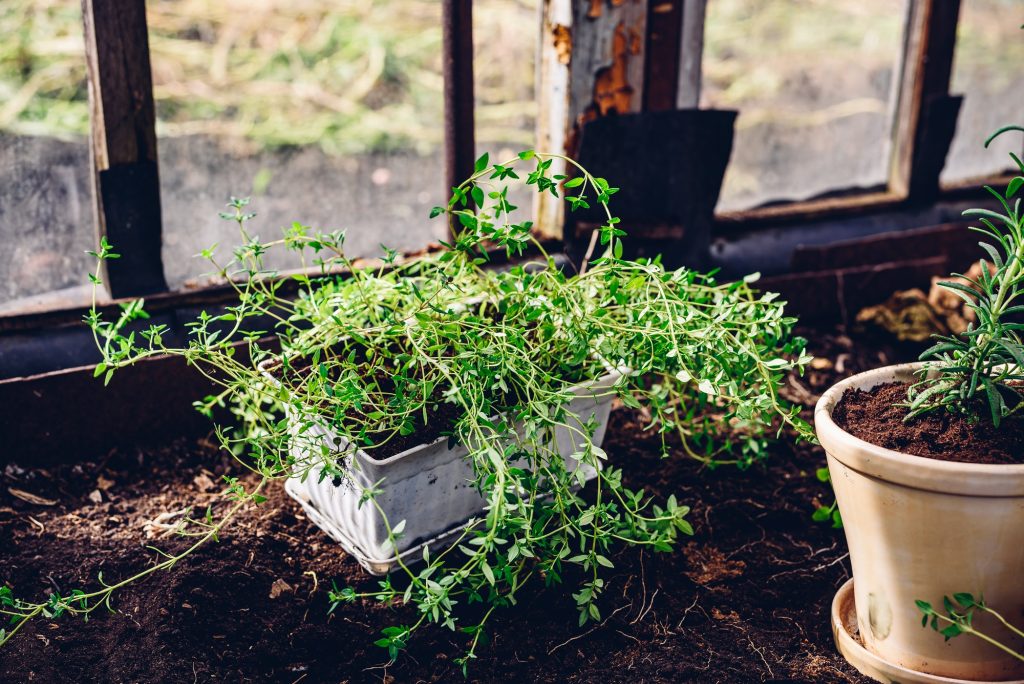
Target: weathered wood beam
[675, 50]
[592, 63]
[126, 195]
[664, 28]
[925, 114]
[459, 126]
[552, 86]
[691, 54]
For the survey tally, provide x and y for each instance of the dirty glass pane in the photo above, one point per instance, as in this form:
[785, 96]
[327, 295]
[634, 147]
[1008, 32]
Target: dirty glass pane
[326, 112]
[987, 72]
[504, 64]
[813, 84]
[45, 194]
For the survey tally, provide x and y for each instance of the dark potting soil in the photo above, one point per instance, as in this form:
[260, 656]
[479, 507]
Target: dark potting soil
[876, 417]
[744, 600]
[441, 419]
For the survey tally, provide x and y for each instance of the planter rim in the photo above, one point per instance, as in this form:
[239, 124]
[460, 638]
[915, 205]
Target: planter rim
[951, 477]
[604, 382]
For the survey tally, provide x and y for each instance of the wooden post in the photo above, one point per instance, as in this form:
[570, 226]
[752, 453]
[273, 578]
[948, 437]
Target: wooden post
[925, 114]
[592, 57]
[675, 51]
[691, 54]
[661, 77]
[459, 126]
[552, 87]
[126, 193]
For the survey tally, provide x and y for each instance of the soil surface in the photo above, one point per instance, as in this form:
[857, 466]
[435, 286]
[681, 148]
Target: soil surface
[745, 600]
[876, 417]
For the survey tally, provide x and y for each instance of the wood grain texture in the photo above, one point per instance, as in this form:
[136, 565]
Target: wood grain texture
[691, 54]
[607, 67]
[120, 82]
[457, 59]
[592, 64]
[664, 26]
[922, 79]
[553, 121]
[126, 196]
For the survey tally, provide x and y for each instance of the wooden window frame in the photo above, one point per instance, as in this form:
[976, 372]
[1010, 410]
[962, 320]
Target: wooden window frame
[673, 54]
[922, 101]
[123, 135]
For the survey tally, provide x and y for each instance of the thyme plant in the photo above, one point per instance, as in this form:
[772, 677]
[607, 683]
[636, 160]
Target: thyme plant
[384, 351]
[984, 365]
[957, 617]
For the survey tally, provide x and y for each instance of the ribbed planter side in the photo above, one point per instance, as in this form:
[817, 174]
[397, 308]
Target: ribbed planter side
[430, 486]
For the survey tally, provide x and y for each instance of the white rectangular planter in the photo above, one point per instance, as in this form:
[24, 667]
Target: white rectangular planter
[429, 487]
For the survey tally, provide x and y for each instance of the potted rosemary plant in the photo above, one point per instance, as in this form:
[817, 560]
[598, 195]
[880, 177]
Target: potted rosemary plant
[927, 462]
[438, 416]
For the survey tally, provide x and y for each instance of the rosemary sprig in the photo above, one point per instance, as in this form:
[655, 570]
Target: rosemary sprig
[986, 363]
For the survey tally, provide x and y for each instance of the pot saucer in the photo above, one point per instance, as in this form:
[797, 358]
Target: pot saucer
[844, 626]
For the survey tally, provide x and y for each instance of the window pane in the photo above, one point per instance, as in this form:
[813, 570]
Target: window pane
[504, 67]
[326, 112]
[987, 72]
[45, 195]
[813, 83]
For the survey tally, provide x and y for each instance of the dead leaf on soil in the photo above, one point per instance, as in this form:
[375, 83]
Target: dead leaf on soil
[103, 483]
[908, 315]
[30, 497]
[279, 587]
[95, 496]
[916, 316]
[203, 482]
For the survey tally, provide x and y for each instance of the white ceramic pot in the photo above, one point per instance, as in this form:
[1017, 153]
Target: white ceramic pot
[429, 486]
[920, 528]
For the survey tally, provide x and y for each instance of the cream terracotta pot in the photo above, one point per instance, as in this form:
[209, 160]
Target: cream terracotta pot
[920, 528]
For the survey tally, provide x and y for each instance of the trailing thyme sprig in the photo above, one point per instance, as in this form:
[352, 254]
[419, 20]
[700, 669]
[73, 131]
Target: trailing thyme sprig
[80, 603]
[958, 618]
[986, 363]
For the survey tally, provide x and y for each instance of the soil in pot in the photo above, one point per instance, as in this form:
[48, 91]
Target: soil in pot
[876, 416]
[440, 420]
